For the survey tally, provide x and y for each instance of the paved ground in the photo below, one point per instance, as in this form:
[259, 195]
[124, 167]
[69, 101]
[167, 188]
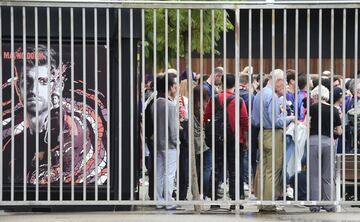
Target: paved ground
[147, 214]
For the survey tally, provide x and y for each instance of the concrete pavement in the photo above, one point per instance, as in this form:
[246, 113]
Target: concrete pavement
[149, 214]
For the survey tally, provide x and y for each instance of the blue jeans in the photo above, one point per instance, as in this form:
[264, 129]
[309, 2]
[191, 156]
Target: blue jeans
[290, 149]
[207, 157]
[244, 168]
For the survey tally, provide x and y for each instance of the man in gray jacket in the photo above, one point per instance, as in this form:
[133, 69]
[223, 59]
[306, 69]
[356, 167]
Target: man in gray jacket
[165, 180]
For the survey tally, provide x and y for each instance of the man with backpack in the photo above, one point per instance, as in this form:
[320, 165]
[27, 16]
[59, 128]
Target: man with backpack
[219, 121]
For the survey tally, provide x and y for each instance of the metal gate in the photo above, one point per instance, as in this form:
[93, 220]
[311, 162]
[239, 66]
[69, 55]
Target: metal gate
[74, 126]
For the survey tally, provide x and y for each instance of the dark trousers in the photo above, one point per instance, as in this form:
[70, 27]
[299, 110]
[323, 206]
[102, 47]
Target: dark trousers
[230, 165]
[149, 163]
[254, 148]
[183, 169]
[301, 185]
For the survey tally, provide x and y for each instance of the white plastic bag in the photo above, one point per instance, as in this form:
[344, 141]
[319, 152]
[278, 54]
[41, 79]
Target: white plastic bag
[301, 135]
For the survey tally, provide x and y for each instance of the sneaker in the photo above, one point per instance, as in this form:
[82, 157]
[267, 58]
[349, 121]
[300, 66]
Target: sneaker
[252, 197]
[290, 192]
[159, 207]
[172, 207]
[330, 209]
[246, 187]
[314, 209]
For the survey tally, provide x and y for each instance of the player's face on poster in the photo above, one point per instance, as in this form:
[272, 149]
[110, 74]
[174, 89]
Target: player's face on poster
[36, 89]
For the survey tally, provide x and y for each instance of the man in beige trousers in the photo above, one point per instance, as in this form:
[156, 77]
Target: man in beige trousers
[272, 93]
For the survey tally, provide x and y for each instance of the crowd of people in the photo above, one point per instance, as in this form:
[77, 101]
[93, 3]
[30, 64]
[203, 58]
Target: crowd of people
[272, 106]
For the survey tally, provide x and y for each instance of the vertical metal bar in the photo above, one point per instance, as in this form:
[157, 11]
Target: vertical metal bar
[84, 98]
[296, 98]
[178, 98]
[319, 114]
[213, 106]
[355, 103]
[120, 102]
[224, 104]
[1, 117]
[12, 102]
[108, 106]
[250, 181]
[273, 106]
[96, 103]
[49, 106]
[332, 106]
[37, 105]
[72, 101]
[167, 108]
[284, 100]
[131, 105]
[202, 104]
[143, 99]
[261, 107]
[61, 107]
[338, 182]
[237, 106]
[343, 96]
[155, 105]
[24, 103]
[190, 92]
[308, 17]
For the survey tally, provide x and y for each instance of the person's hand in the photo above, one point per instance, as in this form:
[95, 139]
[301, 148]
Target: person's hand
[292, 118]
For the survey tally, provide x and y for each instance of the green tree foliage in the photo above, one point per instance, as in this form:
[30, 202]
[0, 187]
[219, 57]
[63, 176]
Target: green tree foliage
[183, 37]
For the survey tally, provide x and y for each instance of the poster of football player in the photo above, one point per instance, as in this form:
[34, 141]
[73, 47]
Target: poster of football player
[42, 104]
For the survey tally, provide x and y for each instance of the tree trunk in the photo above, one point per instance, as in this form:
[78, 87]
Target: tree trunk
[194, 184]
[194, 181]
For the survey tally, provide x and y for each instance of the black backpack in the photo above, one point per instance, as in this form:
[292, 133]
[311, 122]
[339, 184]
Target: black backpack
[149, 122]
[219, 123]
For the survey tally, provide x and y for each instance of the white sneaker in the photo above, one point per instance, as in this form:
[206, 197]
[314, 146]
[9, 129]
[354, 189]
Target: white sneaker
[172, 207]
[252, 197]
[246, 187]
[290, 192]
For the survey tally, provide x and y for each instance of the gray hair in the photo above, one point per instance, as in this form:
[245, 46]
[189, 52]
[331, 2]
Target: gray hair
[325, 94]
[354, 86]
[277, 74]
